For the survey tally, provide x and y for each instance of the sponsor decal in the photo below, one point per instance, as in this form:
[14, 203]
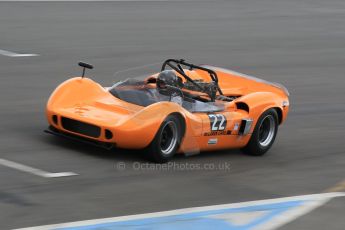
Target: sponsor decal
[212, 141]
[236, 127]
[218, 133]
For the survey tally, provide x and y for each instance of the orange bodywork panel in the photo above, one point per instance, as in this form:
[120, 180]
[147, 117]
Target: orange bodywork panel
[134, 127]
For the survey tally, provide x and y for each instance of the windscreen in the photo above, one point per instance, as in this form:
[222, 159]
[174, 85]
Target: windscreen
[137, 91]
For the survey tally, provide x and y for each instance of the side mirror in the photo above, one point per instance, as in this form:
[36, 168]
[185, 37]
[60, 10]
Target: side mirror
[85, 66]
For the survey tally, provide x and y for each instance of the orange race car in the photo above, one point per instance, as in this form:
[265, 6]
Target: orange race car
[185, 108]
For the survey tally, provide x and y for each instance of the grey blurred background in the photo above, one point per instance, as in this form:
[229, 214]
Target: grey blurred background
[299, 43]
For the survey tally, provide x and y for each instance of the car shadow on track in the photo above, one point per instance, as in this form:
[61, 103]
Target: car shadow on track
[134, 155]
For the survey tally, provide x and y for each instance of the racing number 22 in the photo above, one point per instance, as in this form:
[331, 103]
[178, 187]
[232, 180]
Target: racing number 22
[217, 121]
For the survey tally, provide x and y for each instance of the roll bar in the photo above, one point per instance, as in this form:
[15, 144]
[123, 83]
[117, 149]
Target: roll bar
[176, 65]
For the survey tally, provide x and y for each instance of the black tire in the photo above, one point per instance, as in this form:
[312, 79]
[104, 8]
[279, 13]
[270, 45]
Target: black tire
[264, 134]
[167, 140]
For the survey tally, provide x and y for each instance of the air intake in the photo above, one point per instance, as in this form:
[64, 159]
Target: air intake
[80, 127]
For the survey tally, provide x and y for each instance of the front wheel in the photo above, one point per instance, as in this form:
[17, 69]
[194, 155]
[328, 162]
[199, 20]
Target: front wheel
[264, 134]
[167, 140]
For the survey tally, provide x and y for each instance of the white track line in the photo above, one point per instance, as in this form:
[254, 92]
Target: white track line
[34, 171]
[315, 199]
[12, 54]
[293, 214]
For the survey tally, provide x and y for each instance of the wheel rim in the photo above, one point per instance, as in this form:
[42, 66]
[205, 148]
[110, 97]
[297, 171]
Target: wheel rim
[168, 138]
[266, 130]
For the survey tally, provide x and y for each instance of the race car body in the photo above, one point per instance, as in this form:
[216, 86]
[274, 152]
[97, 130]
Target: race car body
[186, 109]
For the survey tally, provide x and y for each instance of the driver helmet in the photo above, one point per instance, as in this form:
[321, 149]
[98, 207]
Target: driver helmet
[167, 78]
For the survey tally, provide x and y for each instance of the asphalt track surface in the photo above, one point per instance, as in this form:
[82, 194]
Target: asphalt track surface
[298, 43]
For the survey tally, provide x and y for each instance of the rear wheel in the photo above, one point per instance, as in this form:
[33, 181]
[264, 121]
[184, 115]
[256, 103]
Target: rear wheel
[167, 140]
[264, 134]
